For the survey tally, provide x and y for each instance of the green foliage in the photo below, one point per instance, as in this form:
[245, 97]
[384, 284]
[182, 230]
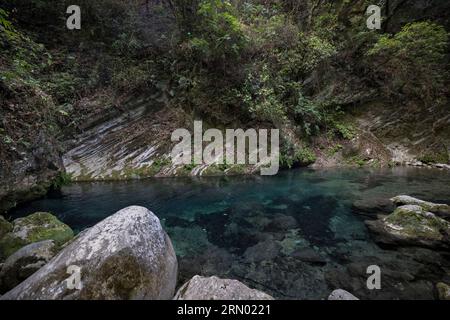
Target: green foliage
[411, 60]
[308, 115]
[189, 167]
[293, 157]
[334, 149]
[259, 96]
[345, 130]
[304, 156]
[127, 78]
[6, 25]
[434, 157]
[61, 180]
[356, 160]
[217, 35]
[160, 163]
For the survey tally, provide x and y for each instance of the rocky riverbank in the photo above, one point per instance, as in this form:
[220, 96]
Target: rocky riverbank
[129, 256]
[126, 256]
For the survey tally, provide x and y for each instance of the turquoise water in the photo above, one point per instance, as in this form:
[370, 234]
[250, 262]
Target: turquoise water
[296, 235]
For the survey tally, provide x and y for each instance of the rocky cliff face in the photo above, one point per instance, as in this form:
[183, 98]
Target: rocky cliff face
[31, 173]
[409, 132]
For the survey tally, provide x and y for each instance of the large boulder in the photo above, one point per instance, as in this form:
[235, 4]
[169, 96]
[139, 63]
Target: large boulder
[411, 225]
[126, 256]
[5, 226]
[36, 227]
[439, 209]
[24, 262]
[214, 288]
[340, 294]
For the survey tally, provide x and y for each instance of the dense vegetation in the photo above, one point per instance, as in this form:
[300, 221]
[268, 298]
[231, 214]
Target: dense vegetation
[300, 66]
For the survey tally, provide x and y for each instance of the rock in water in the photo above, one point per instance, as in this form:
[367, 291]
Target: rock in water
[411, 225]
[24, 262]
[126, 256]
[340, 294]
[442, 210]
[214, 288]
[372, 206]
[36, 227]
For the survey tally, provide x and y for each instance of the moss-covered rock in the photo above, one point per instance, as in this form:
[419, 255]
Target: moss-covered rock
[415, 222]
[33, 228]
[443, 291]
[126, 256]
[442, 210]
[411, 225]
[24, 262]
[5, 226]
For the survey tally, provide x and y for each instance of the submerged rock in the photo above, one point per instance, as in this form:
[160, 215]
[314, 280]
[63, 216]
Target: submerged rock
[372, 206]
[5, 226]
[411, 225]
[439, 209]
[36, 227]
[126, 256]
[214, 288]
[24, 262]
[340, 294]
[265, 250]
[407, 273]
[309, 255]
[443, 291]
[281, 222]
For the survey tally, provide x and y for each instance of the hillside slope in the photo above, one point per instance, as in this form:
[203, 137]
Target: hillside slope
[100, 103]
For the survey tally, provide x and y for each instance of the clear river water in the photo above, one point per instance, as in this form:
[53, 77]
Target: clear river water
[297, 235]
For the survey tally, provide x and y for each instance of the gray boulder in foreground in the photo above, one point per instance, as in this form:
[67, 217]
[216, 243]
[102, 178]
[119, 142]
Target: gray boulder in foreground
[214, 288]
[126, 256]
[340, 294]
[24, 262]
[442, 210]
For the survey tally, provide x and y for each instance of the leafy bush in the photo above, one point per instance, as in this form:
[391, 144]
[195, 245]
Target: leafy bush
[6, 25]
[411, 60]
[260, 98]
[308, 115]
[217, 34]
[291, 156]
[346, 131]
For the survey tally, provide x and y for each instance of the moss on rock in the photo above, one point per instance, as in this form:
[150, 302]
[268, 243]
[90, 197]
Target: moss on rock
[442, 210]
[5, 226]
[413, 221]
[443, 291]
[33, 228]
